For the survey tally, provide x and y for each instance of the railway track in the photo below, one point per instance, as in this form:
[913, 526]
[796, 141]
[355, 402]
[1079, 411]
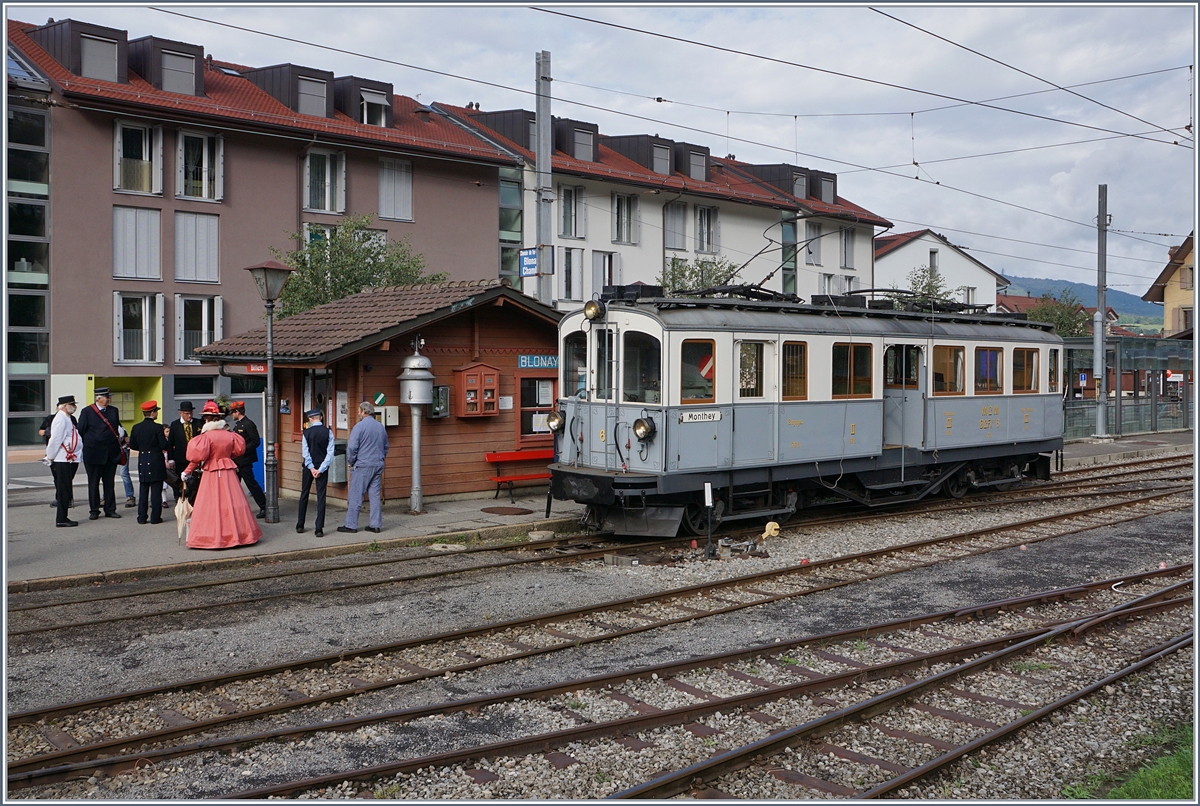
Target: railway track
[51, 616]
[702, 701]
[68, 733]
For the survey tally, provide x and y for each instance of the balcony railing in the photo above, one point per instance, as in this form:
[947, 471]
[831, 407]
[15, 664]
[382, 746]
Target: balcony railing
[193, 339]
[135, 345]
[199, 183]
[135, 175]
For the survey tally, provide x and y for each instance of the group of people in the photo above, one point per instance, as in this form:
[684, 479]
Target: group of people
[206, 464]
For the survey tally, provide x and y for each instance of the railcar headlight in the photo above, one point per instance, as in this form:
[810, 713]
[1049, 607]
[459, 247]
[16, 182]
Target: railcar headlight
[643, 428]
[555, 421]
[593, 309]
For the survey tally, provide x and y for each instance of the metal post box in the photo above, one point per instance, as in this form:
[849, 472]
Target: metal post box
[337, 470]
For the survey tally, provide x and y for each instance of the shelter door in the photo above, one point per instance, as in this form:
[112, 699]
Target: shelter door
[903, 396]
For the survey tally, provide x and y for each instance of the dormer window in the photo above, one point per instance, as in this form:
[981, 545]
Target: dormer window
[98, 58]
[178, 73]
[697, 166]
[662, 160]
[827, 190]
[800, 186]
[583, 145]
[372, 108]
[311, 97]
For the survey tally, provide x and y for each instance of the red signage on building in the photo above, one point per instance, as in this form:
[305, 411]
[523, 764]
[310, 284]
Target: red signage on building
[256, 369]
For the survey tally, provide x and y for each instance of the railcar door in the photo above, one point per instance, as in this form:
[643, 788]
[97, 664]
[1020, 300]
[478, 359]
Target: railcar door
[754, 416]
[903, 396]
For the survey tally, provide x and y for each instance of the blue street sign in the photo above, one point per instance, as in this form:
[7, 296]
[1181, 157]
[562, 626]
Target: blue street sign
[1082, 378]
[529, 267]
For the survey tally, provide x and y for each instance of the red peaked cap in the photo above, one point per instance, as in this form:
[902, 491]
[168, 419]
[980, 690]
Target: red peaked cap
[210, 408]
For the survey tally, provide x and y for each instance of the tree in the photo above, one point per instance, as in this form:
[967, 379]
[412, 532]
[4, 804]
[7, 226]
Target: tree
[697, 274]
[1066, 313]
[926, 286]
[336, 262]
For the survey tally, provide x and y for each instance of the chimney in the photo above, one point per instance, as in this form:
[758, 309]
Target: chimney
[1171, 250]
[422, 113]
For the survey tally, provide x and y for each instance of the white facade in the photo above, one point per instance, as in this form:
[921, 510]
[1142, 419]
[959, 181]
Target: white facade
[597, 243]
[967, 279]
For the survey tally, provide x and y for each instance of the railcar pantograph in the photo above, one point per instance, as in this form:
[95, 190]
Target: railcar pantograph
[779, 404]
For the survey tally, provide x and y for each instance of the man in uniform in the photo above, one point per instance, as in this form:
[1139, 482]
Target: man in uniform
[245, 463]
[98, 426]
[316, 447]
[148, 439]
[365, 453]
[63, 449]
[179, 433]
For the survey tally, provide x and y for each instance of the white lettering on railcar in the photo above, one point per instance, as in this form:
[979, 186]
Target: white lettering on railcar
[699, 416]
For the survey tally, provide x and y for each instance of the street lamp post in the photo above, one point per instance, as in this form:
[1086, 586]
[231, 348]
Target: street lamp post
[270, 278]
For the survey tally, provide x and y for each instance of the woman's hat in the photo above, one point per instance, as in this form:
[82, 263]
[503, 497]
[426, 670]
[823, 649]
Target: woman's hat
[211, 408]
[149, 406]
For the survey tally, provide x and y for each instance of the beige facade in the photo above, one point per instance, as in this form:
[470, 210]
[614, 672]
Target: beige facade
[1175, 288]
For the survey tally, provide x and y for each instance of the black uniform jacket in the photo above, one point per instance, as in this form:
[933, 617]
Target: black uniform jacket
[148, 439]
[249, 432]
[100, 445]
[177, 442]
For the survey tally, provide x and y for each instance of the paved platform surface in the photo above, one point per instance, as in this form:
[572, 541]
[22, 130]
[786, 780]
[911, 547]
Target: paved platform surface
[40, 555]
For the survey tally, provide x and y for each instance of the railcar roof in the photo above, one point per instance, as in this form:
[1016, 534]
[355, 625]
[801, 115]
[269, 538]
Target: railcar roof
[782, 317]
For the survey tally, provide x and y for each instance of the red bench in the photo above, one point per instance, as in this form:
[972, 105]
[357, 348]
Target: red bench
[499, 458]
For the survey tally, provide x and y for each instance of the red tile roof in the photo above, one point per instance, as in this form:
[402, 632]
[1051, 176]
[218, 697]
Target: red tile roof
[345, 326]
[840, 208]
[725, 181]
[233, 98]
[889, 243]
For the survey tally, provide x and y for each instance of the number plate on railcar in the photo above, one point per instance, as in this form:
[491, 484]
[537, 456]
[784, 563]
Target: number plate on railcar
[699, 416]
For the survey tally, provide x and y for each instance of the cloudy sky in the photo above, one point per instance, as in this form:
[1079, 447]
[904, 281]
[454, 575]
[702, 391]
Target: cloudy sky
[1015, 181]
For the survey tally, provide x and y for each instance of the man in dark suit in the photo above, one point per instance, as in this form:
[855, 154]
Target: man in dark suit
[245, 463]
[98, 426]
[179, 434]
[316, 450]
[148, 439]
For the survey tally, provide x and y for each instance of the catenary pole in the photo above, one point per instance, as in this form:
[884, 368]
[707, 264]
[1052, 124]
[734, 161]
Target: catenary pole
[1098, 321]
[545, 191]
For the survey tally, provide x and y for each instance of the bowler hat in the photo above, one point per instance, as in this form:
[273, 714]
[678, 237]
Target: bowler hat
[66, 399]
[150, 405]
[314, 413]
[186, 406]
[102, 390]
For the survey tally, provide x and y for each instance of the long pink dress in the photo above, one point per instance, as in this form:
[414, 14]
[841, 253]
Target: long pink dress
[221, 517]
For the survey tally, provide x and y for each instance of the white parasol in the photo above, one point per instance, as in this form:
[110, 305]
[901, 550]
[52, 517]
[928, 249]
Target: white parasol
[183, 513]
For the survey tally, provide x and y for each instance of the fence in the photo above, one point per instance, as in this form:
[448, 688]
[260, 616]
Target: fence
[1136, 418]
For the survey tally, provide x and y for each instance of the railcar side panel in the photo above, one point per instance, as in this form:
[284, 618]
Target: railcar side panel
[819, 431]
[699, 438]
[754, 426]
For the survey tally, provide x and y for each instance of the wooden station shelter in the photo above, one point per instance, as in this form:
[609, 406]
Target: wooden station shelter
[495, 364]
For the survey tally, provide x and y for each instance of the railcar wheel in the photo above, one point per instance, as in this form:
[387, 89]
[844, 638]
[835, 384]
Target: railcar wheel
[695, 518]
[956, 486]
[1010, 471]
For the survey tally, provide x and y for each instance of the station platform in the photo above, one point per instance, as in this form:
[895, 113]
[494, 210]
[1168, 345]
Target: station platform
[40, 556]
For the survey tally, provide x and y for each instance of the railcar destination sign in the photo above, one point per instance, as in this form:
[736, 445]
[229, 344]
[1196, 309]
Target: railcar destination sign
[699, 416]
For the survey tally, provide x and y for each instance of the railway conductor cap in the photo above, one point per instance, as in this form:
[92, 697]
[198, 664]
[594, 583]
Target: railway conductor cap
[314, 413]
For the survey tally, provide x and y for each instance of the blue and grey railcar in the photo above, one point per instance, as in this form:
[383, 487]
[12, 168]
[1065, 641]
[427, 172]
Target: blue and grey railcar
[778, 405]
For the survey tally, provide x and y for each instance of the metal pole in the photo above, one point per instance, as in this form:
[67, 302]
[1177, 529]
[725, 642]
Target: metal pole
[1118, 418]
[545, 191]
[270, 464]
[1098, 362]
[416, 501]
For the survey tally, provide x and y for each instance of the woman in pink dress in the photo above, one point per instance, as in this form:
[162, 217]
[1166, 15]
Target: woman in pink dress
[221, 517]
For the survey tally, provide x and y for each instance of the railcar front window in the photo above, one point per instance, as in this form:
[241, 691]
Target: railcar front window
[989, 370]
[1052, 383]
[900, 366]
[949, 371]
[697, 372]
[643, 368]
[851, 370]
[1025, 370]
[604, 364]
[750, 369]
[574, 364]
[795, 370]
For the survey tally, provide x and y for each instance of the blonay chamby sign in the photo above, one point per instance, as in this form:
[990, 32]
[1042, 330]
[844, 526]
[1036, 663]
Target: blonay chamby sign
[537, 362]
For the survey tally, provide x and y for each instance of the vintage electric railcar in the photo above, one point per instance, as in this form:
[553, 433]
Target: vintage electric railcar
[779, 404]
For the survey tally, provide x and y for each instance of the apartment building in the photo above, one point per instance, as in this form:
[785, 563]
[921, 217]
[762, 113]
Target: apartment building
[968, 279]
[1175, 289]
[172, 171]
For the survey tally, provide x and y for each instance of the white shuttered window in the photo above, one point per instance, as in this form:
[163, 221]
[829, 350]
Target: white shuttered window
[197, 259]
[395, 189]
[675, 229]
[136, 244]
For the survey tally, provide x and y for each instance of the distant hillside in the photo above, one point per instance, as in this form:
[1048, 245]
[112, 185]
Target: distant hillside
[1120, 301]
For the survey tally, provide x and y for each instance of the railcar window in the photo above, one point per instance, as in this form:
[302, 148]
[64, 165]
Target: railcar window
[1025, 370]
[604, 364]
[795, 370]
[851, 370]
[900, 362]
[989, 370]
[697, 371]
[1052, 384]
[949, 370]
[643, 368]
[750, 369]
[574, 364]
